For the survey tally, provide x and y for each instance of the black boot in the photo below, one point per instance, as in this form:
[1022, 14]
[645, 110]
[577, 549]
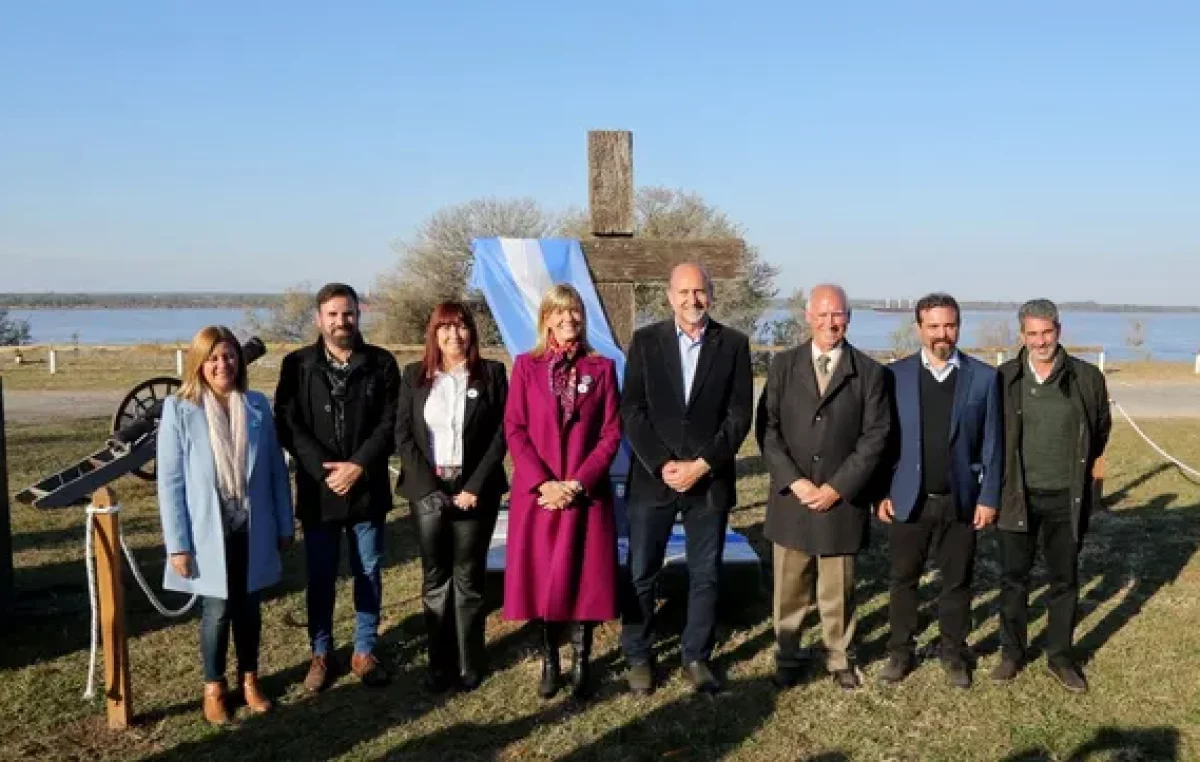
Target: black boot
[581, 654]
[550, 665]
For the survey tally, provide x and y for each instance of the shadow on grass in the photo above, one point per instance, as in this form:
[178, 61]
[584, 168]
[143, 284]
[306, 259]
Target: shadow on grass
[1114, 743]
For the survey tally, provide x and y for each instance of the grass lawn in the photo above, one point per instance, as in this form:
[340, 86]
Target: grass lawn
[1139, 628]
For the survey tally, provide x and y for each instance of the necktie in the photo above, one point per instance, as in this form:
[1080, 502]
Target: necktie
[823, 372]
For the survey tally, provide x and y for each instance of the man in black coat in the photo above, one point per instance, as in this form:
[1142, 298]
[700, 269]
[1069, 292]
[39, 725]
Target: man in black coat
[1056, 424]
[824, 422]
[335, 410]
[687, 402]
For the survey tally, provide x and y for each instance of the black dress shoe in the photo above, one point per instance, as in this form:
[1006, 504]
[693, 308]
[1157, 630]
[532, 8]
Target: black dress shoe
[1008, 668]
[896, 669]
[1068, 676]
[641, 678]
[469, 680]
[846, 679]
[702, 678]
[957, 674]
[787, 676]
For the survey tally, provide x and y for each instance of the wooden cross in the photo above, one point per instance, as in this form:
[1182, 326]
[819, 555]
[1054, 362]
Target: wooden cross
[618, 259]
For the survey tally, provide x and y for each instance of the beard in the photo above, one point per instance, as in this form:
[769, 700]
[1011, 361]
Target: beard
[342, 338]
[942, 350]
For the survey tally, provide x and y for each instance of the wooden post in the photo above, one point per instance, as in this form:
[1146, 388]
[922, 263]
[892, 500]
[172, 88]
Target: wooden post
[109, 568]
[610, 182]
[6, 549]
[1100, 361]
[179, 362]
[53, 362]
[618, 260]
[1198, 363]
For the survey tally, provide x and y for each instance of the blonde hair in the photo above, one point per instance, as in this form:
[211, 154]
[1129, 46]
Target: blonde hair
[203, 345]
[560, 297]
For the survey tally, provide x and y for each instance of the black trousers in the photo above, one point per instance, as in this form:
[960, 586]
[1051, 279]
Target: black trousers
[1049, 520]
[649, 531]
[454, 547]
[239, 612]
[938, 531]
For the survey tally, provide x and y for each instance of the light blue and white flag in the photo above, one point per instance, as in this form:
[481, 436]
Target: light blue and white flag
[514, 274]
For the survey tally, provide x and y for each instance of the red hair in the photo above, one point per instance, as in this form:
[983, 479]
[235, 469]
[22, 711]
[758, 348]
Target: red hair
[449, 313]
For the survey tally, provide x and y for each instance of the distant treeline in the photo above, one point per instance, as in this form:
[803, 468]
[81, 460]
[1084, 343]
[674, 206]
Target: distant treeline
[863, 304]
[138, 300]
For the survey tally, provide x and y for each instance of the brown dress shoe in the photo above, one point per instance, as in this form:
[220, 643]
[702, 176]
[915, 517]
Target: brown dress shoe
[253, 695]
[318, 674]
[368, 669]
[215, 711]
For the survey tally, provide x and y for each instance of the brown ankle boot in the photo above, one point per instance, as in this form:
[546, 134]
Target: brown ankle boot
[215, 711]
[253, 695]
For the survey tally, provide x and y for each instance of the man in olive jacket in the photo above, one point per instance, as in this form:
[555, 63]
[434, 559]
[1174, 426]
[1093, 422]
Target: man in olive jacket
[335, 410]
[1056, 424]
[824, 419]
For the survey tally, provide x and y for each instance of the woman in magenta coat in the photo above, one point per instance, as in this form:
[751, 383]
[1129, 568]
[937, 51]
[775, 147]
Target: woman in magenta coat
[563, 428]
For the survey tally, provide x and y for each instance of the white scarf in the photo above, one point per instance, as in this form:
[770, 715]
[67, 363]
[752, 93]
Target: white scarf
[228, 435]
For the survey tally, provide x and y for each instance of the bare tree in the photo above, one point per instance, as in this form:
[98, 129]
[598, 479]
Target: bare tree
[13, 331]
[1135, 338]
[290, 321]
[435, 264]
[792, 329]
[904, 339]
[996, 334]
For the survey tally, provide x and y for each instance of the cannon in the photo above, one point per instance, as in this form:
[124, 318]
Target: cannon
[130, 448]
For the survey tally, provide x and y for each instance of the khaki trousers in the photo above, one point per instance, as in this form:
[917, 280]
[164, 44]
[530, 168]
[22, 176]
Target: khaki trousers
[804, 583]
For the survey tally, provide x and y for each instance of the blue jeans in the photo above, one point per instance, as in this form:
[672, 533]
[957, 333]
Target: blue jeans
[240, 610]
[322, 543]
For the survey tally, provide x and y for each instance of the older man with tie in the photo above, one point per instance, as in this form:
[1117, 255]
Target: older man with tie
[824, 420]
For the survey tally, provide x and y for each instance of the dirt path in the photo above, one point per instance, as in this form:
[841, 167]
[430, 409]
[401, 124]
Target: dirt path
[27, 406]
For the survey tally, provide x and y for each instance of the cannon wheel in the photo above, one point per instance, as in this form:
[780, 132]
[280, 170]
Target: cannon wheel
[139, 400]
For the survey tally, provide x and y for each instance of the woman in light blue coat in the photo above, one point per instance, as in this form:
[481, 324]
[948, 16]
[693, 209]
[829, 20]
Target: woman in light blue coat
[226, 506]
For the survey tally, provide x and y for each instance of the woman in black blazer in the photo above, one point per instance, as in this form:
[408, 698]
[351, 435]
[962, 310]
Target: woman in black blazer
[450, 435]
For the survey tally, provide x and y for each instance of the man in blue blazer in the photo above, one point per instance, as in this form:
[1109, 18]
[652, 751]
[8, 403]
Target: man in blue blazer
[945, 485]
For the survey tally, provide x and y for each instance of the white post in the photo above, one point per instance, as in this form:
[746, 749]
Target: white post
[1000, 357]
[179, 362]
[53, 362]
[1198, 363]
[1100, 361]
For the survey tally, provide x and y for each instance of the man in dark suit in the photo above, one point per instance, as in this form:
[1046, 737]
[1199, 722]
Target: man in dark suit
[687, 402]
[945, 486]
[825, 419]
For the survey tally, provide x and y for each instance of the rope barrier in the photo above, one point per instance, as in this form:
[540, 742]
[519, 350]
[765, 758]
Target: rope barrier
[1166, 455]
[89, 563]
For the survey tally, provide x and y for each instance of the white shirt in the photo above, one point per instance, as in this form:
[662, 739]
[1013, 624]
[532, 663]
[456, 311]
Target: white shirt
[834, 356]
[943, 373]
[444, 413]
[689, 356]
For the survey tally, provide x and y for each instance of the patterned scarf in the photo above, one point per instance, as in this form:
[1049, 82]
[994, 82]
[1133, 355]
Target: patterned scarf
[562, 375]
[230, 442]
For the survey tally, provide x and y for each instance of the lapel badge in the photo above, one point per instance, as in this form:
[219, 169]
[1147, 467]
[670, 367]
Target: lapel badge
[587, 380]
[582, 388]
[472, 393]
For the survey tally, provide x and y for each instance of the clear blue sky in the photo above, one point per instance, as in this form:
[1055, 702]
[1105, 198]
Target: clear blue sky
[1032, 148]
